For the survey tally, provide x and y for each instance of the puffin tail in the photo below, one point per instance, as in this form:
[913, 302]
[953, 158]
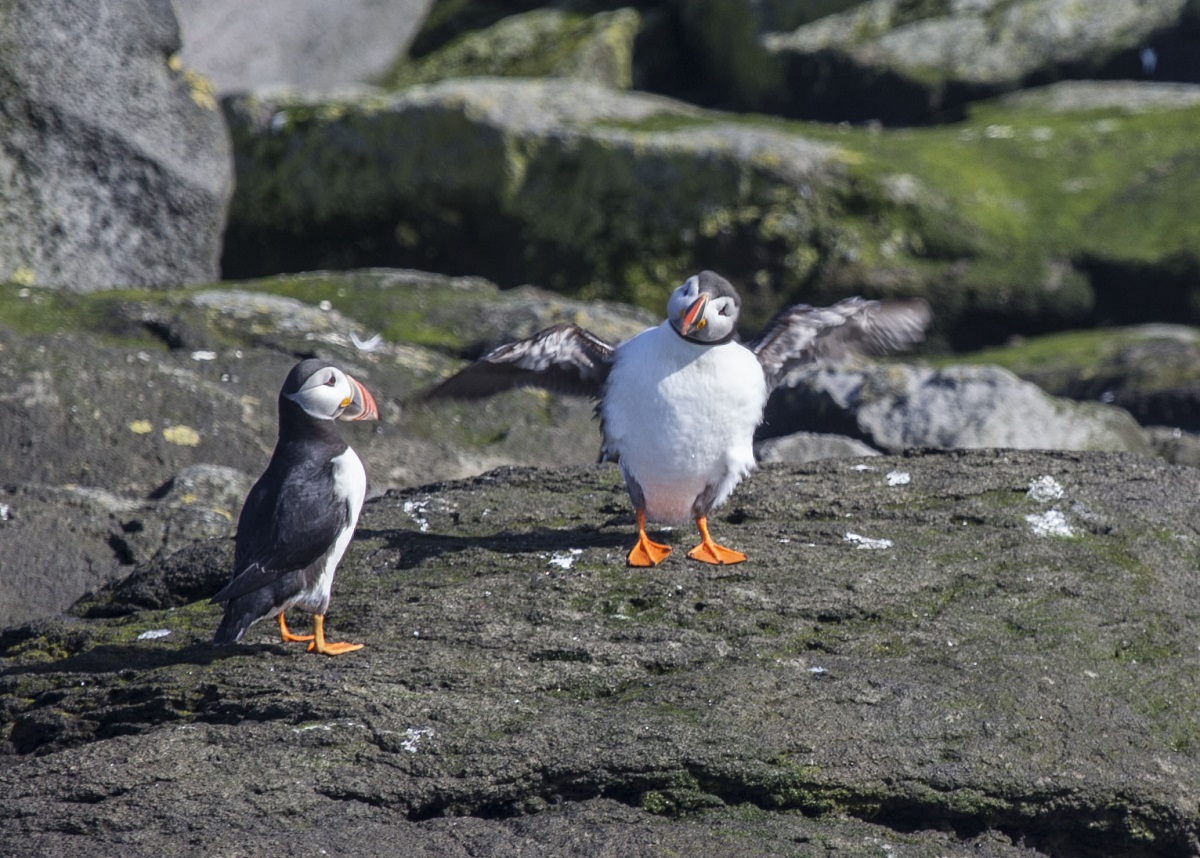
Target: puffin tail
[233, 624]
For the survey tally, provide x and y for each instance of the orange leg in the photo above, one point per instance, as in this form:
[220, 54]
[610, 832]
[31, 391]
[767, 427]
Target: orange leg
[709, 552]
[646, 552]
[321, 646]
[287, 635]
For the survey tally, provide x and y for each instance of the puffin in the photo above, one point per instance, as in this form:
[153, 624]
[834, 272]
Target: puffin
[679, 403]
[301, 513]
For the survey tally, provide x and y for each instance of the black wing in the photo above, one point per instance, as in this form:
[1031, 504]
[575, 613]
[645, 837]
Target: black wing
[802, 334]
[562, 359]
[284, 531]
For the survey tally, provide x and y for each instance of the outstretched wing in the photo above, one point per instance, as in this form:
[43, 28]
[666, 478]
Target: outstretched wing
[562, 359]
[802, 334]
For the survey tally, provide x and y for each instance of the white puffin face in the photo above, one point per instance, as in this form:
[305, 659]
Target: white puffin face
[705, 308]
[325, 394]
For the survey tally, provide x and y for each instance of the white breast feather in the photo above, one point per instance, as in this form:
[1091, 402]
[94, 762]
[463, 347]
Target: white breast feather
[350, 485]
[682, 418]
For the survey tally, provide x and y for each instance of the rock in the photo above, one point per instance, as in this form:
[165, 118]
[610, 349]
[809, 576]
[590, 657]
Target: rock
[547, 182]
[1012, 222]
[1152, 371]
[241, 46]
[1012, 672]
[115, 161]
[894, 407]
[1175, 445]
[62, 542]
[800, 447]
[540, 43]
[125, 393]
[905, 63]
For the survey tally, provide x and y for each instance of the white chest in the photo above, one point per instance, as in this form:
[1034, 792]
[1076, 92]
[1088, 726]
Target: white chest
[682, 418]
[350, 487]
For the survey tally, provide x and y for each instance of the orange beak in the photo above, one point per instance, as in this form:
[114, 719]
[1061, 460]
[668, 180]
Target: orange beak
[362, 404]
[693, 317]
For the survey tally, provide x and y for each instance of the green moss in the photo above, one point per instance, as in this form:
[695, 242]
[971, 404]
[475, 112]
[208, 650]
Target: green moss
[540, 43]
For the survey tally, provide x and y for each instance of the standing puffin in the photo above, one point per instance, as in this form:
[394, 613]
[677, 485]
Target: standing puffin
[679, 403]
[300, 515]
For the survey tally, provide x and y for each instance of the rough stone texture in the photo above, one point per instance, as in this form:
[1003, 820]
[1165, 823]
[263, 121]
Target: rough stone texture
[547, 182]
[131, 425]
[1152, 371]
[1015, 674]
[894, 407]
[242, 46]
[899, 61]
[801, 447]
[1016, 221]
[541, 43]
[115, 165]
[61, 542]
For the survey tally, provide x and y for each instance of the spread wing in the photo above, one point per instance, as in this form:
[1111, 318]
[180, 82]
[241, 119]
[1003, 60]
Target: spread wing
[300, 511]
[562, 359]
[802, 334]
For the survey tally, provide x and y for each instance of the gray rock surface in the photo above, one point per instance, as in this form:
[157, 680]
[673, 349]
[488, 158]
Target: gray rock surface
[543, 181]
[242, 46]
[894, 407]
[115, 165]
[1010, 670]
[800, 447]
[138, 422]
[541, 43]
[933, 58]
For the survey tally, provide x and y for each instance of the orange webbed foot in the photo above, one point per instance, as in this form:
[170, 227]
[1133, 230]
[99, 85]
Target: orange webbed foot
[323, 647]
[646, 552]
[708, 551]
[287, 635]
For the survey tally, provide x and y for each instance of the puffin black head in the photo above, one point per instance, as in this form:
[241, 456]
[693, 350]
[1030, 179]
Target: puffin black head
[705, 309]
[324, 392]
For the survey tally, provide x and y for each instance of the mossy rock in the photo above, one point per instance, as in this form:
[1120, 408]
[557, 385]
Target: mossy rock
[1009, 222]
[540, 43]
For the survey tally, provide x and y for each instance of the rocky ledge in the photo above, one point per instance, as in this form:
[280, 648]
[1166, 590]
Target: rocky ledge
[984, 653]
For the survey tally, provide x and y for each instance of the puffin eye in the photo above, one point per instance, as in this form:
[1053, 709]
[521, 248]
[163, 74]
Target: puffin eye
[723, 310]
[331, 381]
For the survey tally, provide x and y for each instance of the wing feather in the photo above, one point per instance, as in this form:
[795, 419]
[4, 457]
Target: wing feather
[303, 510]
[562, 359]
[801, 334]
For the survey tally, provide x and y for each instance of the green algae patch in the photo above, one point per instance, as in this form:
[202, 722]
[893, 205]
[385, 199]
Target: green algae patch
[537, 44]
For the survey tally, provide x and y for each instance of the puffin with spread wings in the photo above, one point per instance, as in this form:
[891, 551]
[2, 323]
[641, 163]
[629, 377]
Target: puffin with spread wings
[678, 404]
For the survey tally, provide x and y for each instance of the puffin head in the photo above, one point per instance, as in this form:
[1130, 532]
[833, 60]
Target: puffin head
[326, 393]
[705, 308]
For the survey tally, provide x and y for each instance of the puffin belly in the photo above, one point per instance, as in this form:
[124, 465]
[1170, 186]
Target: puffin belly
[682, 420]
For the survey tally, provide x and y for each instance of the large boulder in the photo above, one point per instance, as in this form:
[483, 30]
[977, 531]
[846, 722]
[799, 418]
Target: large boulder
[1013, 222]
[967, 654]
[121, 391]
[134, 423]
[540, 43]
[241, 45]
[904, 62]
[897, 406]
[115, 166]
[1152, 371]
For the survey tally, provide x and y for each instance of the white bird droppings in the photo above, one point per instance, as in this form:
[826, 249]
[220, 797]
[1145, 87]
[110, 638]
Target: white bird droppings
[1049, 523]
[859, 541]
[153, 634]
[565, 561]
[899, 478]
[1044, 489]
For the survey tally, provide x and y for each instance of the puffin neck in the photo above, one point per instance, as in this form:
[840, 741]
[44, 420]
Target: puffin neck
[296, 424]
[725, 339]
